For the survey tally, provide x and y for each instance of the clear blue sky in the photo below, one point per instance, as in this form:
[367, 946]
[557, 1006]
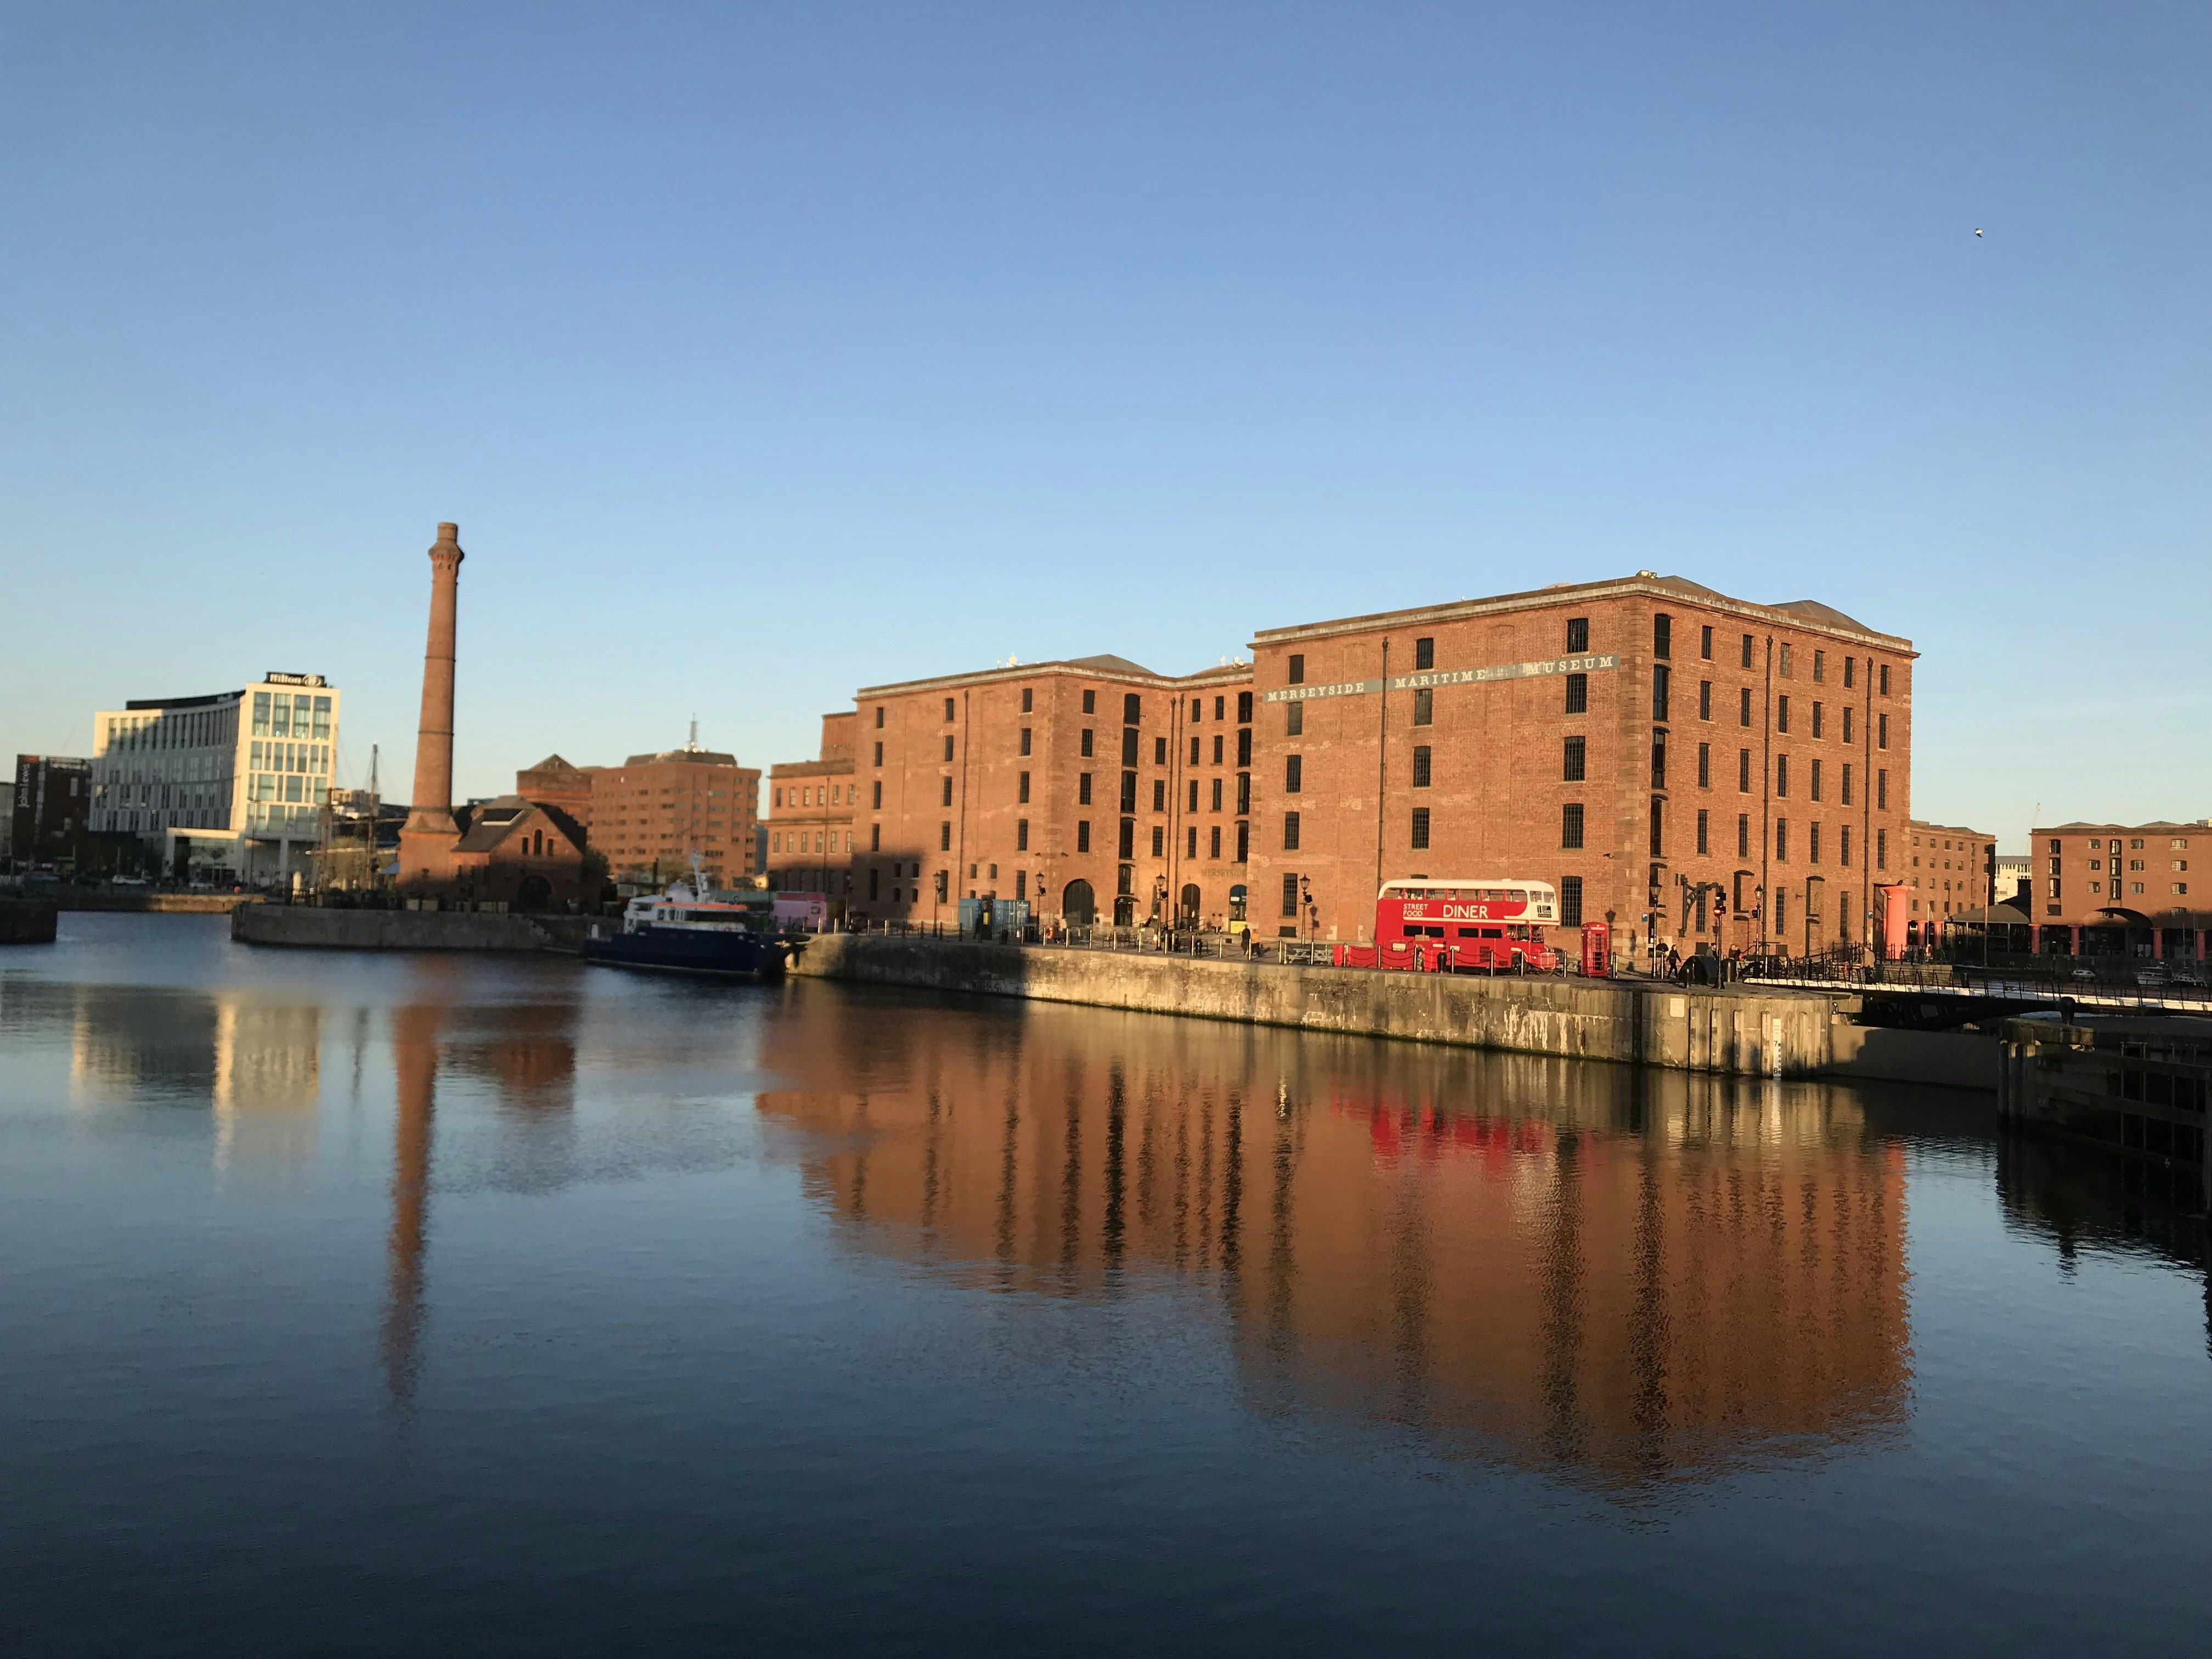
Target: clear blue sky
[765, 353]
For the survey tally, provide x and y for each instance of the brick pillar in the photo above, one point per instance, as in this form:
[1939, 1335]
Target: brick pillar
[426, 842]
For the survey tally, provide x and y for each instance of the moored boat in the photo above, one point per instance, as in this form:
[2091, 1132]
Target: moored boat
[689, 930]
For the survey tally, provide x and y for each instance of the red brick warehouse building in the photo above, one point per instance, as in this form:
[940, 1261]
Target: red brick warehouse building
[1094, 789]
[1693, 767]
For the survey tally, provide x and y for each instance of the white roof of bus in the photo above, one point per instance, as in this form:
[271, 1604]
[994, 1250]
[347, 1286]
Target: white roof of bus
[1470, 883]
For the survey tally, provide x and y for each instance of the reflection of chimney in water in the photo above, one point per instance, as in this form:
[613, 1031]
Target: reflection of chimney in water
[415, 1066]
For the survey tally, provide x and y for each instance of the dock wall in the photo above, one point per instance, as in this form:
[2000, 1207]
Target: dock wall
[1754, 1034]
[26, 921]
[301, 927]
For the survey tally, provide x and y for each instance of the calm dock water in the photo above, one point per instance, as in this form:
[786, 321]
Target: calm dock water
[390, 1304]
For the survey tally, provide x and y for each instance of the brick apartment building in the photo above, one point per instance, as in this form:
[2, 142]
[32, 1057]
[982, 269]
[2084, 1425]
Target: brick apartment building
[1692, 768]
[1951, 869]
[2120, 888]
[1093, 789]
[809, 830]
[651, 813]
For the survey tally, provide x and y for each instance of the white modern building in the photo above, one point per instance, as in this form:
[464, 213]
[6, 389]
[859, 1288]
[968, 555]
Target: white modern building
[235, 783]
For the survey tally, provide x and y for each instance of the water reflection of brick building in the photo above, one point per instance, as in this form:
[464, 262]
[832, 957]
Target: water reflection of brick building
[1626, 1276]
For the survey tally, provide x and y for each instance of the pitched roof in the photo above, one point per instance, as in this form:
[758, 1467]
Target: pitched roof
[1110, 664]
[491, 824]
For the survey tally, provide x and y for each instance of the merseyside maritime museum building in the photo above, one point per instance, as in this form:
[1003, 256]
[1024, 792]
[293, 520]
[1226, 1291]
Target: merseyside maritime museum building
[1693, 768]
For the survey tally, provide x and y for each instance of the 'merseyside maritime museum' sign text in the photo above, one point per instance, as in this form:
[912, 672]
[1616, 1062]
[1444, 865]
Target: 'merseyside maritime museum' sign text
[1511, 671]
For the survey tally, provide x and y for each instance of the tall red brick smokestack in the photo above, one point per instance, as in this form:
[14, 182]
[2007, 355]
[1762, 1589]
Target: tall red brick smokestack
[426, 841]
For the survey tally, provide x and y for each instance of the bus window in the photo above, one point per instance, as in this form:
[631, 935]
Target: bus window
[1470, 932]
[1493, 933]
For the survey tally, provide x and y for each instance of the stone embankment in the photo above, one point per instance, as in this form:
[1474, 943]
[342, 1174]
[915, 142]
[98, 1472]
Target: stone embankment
[1735, 1031]
[308, 927]
[167, 904]
[26, 921]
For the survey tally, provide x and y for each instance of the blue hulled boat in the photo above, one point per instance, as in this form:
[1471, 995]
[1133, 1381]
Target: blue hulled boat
[687, 930]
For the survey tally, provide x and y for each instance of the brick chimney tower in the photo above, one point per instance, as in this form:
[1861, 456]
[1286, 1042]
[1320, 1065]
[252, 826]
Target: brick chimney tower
[426, 842]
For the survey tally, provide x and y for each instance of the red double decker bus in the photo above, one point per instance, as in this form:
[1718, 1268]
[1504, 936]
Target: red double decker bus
[1497, 925]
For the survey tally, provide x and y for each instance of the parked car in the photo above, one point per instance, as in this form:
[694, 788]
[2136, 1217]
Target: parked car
[2089, 974]
[2193, 977]
[2154, 974]
[129, 881]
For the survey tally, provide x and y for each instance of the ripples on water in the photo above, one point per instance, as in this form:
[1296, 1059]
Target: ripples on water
[378, 1304]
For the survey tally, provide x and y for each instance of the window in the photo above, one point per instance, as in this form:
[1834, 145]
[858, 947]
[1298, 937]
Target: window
[1290, 832]
[1194, 749]
[1083, 788]
[1089, 706]
[1812, 843]
[1083, 835]
[875, 841]
[1424, 707]
[1571, 901]
[1420, 766]
[1570, 825]
[1844, 846]
[1159, 840]
[1747, 651]
[1658, 760]
[1786, 671]
[1293, 771]
[1743, 707]
[1191, 849]
[1220, 708]
[1216, 745]
[1128, 846]
[1244, 747]
[1298, 669]
[1197, 710]
[1217, 794]
[1703, 824]
[1193, 795]
[879, 754]
[1661, 679]
[1743, 843]
[1819, 666]
[1021, 789]
[1290, 894]
[1420, 828]
[879, 717]
[944, 838]
[1781, 840]
[1818, 711]
[1882, 731]
[1578, 694]
[1881, 849]
[1294, 719]
[1129, 741]
[1704, 766]
[1882, 789]
[1021, 835]
[878, 803]
[1243, 842]
[1029, 699]
[1781, 713]
[1658, 831]
[1213, 849]
[1706, 642]
[1025, 748]
[1244, 792]
[1133, 709]
[948, 746]
[1084, 741]
[947, 782]
[1243, 708]
[1816, 791]
[948, 707]
[1883, 684]
[1572, 771]
[1159, 751]
[1662, 634]
[1847, 721]
[1577, 636]
[1424, 655]
[1781, 775]
[1743, 771]
[1129, 794]
[1704, 699]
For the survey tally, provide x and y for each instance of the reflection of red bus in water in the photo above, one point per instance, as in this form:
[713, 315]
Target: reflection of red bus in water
[1494, 925]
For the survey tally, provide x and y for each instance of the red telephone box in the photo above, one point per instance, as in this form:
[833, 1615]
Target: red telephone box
[1597, 950]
